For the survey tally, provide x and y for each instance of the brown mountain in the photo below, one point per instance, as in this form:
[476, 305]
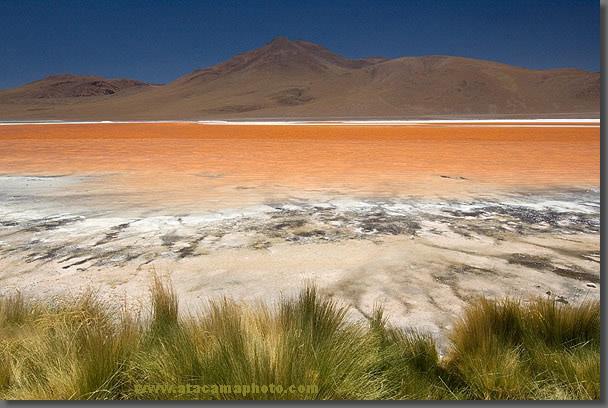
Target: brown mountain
[71, 86]
[300, 79]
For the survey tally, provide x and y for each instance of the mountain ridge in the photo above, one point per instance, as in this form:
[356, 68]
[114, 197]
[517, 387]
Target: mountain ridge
[296, 78]
[73, 86]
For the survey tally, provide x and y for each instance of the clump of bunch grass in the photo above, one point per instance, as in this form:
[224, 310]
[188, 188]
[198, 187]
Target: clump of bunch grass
[85, 348]
[539, 349]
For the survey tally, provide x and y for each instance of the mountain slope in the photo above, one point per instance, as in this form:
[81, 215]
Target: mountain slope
[71, 86]
[300, 79]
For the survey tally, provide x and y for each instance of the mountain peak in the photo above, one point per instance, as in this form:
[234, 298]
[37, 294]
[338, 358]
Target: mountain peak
[282, 55]
[61, 76]
[280, 40]
[280, 45]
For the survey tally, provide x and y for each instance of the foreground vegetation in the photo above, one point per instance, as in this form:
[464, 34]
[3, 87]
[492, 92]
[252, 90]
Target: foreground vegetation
[86, 349]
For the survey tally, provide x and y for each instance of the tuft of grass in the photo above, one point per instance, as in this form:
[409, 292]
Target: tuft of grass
[13, 310]
[72, 349]
[164, 305]
[541, 349]
[564, 326]
[85, 348]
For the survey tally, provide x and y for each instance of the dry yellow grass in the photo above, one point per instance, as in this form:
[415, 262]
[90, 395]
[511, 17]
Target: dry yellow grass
[85, 349]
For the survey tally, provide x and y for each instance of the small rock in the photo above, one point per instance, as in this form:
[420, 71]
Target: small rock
[591, 285]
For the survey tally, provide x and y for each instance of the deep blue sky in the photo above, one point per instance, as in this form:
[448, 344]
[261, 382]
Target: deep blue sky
[157, 41]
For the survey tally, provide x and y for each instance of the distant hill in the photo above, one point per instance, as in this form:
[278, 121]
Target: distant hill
[299, 79]
[70, 86]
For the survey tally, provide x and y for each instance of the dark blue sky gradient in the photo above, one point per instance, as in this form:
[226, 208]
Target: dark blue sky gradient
[157, 41]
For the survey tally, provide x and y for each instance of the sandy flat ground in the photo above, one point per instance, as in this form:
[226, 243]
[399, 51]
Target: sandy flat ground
[420, 218]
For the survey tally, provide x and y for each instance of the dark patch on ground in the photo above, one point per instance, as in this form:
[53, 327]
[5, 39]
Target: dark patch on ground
[169, 240]
[186, 252]
[453, 177]
[287, 223]
[189, 251]
[593, 256]
[521, 219]
[461, 213]
[381, 223]
[261, 245]
[78, 262]
[234, 109]
[575, 272]
[467, 230]
[311, 233]
[292, 97]
[111, 236]
[545, 263]
[530, 261]
[47, 224]
[464, 268]
[48, 254]
[578, 222]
